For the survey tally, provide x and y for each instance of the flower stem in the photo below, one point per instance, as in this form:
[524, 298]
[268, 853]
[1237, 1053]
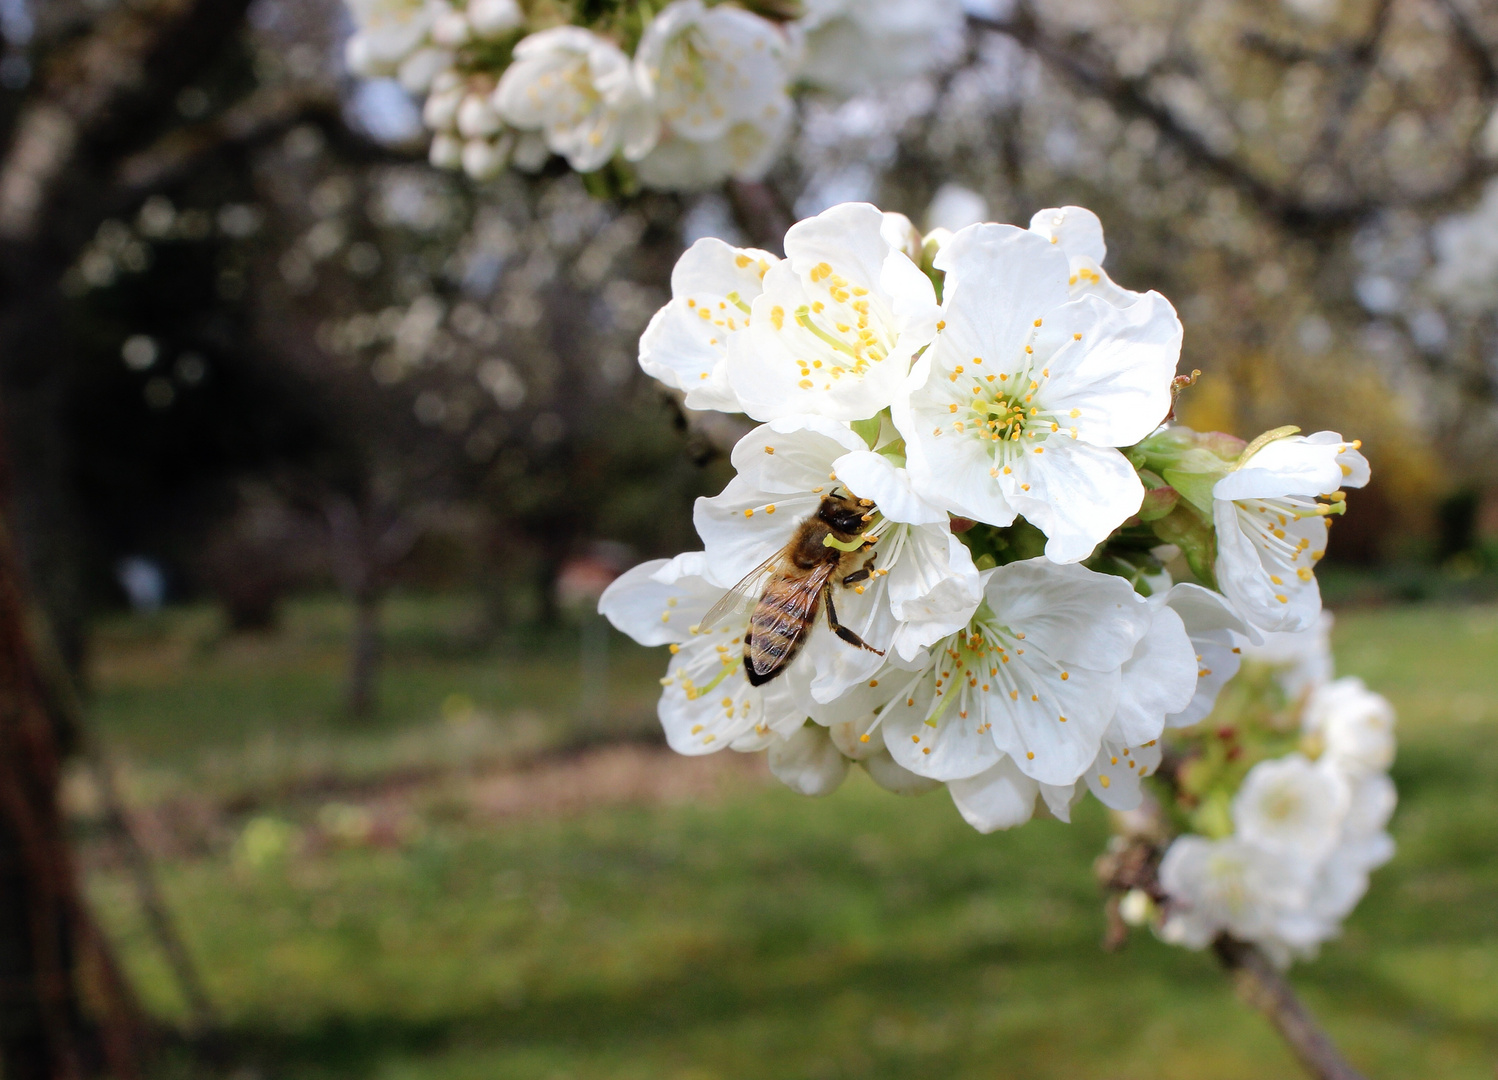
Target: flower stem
[1263, 987]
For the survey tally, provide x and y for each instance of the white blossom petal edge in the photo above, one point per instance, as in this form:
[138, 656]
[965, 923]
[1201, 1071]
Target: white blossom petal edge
[1020, 404]
[1271, 530]
[686, 344]
[707, 703]
[838, 322]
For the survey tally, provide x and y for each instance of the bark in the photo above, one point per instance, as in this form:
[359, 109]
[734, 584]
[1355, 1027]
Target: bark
[1262, 986]
[52, 960]
[64, 1008]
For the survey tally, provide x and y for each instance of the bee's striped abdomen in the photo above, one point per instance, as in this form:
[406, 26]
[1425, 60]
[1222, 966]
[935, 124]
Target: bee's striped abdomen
[779, 624]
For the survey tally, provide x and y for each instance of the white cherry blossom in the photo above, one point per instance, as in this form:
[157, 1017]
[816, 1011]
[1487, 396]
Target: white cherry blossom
[1035, 676]
[1226, 885]
[745, 152]
[686, 344]
[387, 31]
[707, 703]
[853, 46]
[1019, 405]
[923, 584]
[582, 93]
[1292, 806]
[838, 322]
[1271, 528]
[1300, 659]
[1354, 726]
[712, 68]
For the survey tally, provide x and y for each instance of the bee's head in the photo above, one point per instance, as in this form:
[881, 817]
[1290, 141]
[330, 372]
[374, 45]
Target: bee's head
[843, 513]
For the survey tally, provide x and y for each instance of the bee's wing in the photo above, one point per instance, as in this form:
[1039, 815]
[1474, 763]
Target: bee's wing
[742, 597]
[775, 641]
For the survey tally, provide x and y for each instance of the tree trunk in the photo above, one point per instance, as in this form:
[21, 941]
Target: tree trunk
[365, 654]
[51, 959]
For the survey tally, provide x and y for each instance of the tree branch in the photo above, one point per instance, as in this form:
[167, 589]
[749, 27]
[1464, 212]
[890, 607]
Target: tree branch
[99, 93]
[1262, 986]
[262, 115]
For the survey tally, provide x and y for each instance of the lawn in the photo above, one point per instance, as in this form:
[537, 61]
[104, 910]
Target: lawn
[363, 903]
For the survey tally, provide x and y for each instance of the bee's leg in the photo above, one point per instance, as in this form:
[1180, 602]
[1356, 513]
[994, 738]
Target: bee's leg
[863, 573]
[842, 631]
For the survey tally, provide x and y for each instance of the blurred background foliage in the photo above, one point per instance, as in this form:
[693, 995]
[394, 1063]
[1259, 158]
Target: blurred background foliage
[289, 355]
[258, 361]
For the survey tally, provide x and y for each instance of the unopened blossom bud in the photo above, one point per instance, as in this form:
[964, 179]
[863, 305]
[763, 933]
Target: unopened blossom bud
[1228, 447]
[1158, 502]
[483, 159]
[494, 18]
[477, 118]
[446, 152]
[418, 70]
[440, 112]
[447, 81]
[451, 30]
[1136, 908]
[1189, 531]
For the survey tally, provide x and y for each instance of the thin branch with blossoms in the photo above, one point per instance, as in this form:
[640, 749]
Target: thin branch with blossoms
[966, 547]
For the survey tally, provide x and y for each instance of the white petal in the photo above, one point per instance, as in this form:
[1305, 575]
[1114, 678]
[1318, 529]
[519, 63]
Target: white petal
[1210, 623]
[1078, 494]
[1297, 465]
[873, 476]
[701, 721]
[1117, 375]
[1291, 603]
[933, 588]
[987, 261]
[743, 526]
[1093, 620]
[1159, 679]
[952, 748]
[807, 762]
[1075, 229]
[894, 777]
[794, 454]
[1000, 798]
[656, 602]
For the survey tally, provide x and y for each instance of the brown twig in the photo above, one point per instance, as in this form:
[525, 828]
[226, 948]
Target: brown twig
[1262, 986]
[1132, 862]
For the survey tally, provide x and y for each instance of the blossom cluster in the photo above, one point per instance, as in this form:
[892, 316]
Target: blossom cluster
[685, 99]
[1291, 838]
[965, 546]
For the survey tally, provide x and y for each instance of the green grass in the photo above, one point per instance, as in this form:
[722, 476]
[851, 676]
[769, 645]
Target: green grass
[759, 934]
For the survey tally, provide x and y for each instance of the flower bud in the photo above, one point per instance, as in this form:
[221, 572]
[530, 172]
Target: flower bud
[440, 113]
[446, 152]
[1136, 908]
[494, 18]
[421, 68]
[483, 159]
[477, 118]
[1228, 447]
[451, 30]
[1158, 502]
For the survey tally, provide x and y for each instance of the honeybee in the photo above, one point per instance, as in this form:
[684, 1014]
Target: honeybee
[786, 589]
